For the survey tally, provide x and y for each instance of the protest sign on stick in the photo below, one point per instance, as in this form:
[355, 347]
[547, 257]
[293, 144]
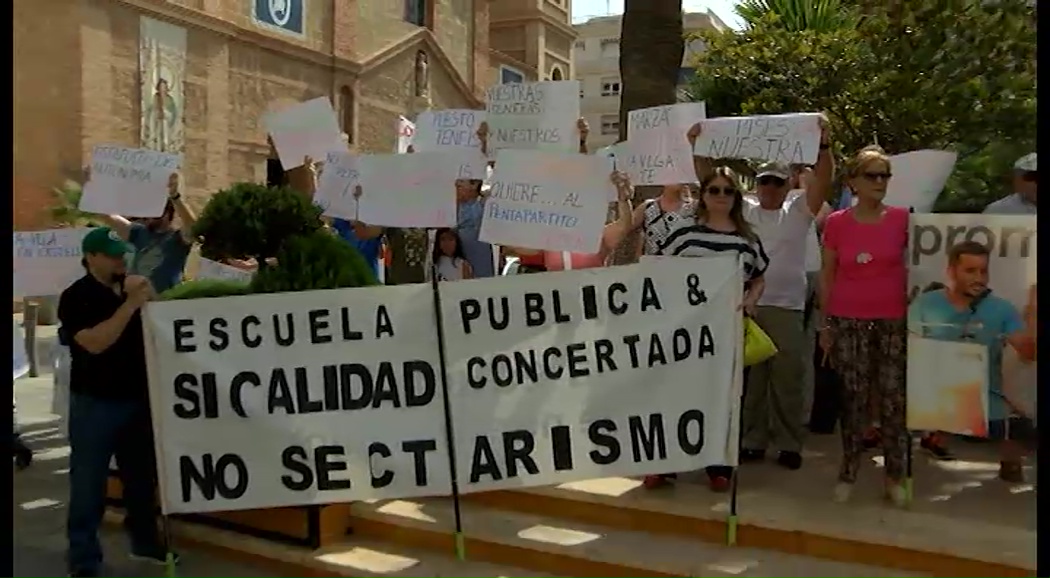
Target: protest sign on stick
[292, 399]
[785, 138]
[919, 178]
[548, 201]
[618, 371]
[537, 115]
[416, 190]
[657, 151]
[335, 187]
[127, 181]
[208, 269]
[455, 129]
[307, 129]
[46, 262]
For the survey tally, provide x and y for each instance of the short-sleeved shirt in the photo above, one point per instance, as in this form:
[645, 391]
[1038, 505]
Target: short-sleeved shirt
[1011, 205]
[118, 372]
[468, 225]
[784, 233]
[159, 256]
[368, 248]
[871, 276]
[932, 315]
[657, 223]
[689, 238]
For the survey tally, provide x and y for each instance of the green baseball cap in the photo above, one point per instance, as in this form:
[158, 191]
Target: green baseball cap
[105, 241]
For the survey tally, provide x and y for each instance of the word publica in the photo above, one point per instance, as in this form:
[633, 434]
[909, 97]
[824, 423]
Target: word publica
[228, 476]
[1002, 242]
[516, 99]
[509, 454]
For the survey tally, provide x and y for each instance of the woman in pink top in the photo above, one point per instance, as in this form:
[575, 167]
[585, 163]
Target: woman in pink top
[864, 293]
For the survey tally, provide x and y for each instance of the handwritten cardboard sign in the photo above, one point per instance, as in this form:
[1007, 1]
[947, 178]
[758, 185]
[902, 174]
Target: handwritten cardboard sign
[657, 151]
[537, 115]
[416, 190]
[335, 187]
[454, 129]
[919, 178]
[786, 138]
[208, 269]
[548, 201]
[405, 131]
[46, 262]
[308, 129]
[127, 181]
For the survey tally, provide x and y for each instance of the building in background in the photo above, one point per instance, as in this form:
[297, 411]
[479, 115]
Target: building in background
[597, 59]
[196, 77]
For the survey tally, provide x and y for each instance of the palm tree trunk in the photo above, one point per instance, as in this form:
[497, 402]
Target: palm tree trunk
[651, 49]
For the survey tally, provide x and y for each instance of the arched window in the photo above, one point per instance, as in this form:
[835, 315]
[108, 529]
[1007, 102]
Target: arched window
[346, 111]
[556, 74]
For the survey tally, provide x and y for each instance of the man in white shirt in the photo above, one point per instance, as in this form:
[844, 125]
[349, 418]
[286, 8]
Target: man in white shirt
[775, 395]
[1022, 201]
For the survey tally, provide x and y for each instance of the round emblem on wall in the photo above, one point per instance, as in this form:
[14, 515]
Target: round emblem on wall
[280, 12]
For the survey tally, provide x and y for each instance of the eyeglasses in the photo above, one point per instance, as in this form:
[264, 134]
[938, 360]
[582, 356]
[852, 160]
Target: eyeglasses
[771, 180]
[1029, 176]
[875, 177]
[716, 191]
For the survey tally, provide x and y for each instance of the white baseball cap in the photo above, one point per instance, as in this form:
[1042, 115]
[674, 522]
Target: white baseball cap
[1026, 163]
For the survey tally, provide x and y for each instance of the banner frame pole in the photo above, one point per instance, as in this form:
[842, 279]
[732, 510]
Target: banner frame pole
[909, 482]
[460, 541]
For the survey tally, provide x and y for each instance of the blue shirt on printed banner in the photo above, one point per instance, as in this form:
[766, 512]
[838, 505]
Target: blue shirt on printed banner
[932, 315]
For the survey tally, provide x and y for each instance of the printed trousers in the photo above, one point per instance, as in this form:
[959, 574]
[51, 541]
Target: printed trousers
[870, 358]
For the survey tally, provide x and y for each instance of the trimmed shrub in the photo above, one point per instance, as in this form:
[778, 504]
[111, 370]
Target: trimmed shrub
[205, 288]
[318, 260]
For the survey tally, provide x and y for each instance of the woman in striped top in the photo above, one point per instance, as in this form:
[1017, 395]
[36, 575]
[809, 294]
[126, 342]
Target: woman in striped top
[716, 226]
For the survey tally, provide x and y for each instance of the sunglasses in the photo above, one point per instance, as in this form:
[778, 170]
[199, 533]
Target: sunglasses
[875, 177]
[716, 191]
[771, 180]
[1029, 176]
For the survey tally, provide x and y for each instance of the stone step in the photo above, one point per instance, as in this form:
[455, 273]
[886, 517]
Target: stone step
[566, 548]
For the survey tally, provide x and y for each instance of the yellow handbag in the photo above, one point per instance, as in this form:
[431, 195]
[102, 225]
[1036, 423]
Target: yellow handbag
[758, 347]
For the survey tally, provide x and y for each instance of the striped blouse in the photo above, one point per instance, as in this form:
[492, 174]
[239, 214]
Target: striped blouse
[688, 238]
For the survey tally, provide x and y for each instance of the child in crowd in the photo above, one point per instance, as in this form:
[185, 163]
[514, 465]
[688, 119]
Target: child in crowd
[450, 263]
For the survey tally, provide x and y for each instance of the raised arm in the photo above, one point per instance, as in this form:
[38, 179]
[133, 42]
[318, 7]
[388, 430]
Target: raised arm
[186, 216]
[817, 188]
[628, 219]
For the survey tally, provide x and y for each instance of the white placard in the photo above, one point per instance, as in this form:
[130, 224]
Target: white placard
[919, 178]
[19, 359]
[1010, 238]
[46, 262]
[454, 129]
[208, 269]
[307, 129]
[303, 398]
[536, 115]
[609, 153]
[127, 181]
[335, 186]
[785, 138]
[405, 130]
[616, 371]
[657, 151]
[548, 201]
[417, 190]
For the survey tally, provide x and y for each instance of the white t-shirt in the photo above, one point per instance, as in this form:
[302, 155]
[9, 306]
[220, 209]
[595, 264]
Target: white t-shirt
[785, 237]
[812, 250]
[449, 269]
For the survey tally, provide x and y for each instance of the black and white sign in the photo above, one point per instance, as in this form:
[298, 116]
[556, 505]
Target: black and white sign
[288, 16]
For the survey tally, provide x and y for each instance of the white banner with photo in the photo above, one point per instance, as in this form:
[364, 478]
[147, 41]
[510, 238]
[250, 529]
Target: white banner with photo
[293, 399]
[618, 371]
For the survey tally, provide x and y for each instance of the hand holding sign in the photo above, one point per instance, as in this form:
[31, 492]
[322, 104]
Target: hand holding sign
[307, 129]
[785, 138]
[130, 182]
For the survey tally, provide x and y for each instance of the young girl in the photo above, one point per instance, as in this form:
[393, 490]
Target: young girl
[450, 264]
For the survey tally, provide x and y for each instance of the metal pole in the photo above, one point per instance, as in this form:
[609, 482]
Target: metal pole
[30, 313]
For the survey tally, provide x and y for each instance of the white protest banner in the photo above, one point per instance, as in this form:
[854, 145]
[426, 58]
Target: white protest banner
[46, 262]
[947, 386]
[289, 399]
[129, 182]
[537, 115]
[307, 129]
[548, 201]
[335, 187]
[785, 138]
[616, 371]
[1010, 238]
[919, 178]
[657, 151]
[454, 129]
[404, 130]
[208, 269]
[416, 190]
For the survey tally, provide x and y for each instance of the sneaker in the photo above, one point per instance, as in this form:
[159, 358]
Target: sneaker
[843, 491]
[752, 455]
[719, 484]
[932, 445]
[790, 460]
[1011, 472]
[658, 481]
[158, 556]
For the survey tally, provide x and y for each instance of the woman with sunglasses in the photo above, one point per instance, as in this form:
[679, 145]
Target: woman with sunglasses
[863, 292]
[715, 226]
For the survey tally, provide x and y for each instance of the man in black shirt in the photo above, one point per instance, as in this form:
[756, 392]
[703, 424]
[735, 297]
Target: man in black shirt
[109, 404]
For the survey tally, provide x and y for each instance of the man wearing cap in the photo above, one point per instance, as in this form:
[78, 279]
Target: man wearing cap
[1022, 201]
[775, 395]
[109, 406]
